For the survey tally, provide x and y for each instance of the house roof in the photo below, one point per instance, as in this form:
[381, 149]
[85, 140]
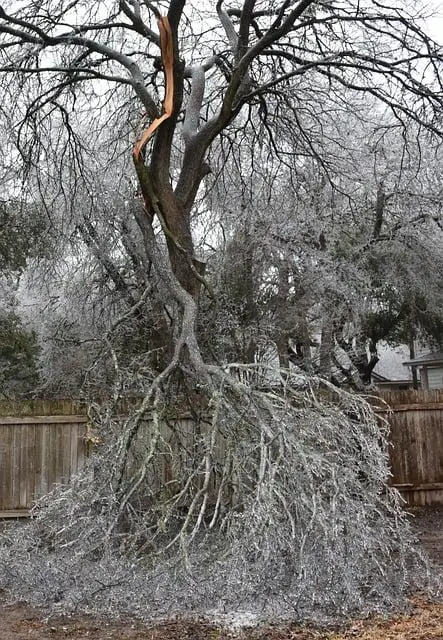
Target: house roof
[376, 377]
[427, 358]
[390, 366]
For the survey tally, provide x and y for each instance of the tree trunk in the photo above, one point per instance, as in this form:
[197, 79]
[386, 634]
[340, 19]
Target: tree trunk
[283, 333]
[326, 347]
[412, 357]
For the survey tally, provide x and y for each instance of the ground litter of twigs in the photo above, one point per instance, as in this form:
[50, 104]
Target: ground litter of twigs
[423, 621]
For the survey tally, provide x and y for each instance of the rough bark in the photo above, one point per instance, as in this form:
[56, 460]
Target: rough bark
[282, 321]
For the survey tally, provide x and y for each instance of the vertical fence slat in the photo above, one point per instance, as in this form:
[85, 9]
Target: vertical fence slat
[6, 475]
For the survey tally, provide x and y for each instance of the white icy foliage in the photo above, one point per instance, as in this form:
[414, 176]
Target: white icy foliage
[301, 524]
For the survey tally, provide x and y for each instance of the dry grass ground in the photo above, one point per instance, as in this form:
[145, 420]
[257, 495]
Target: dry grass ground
[423, 622]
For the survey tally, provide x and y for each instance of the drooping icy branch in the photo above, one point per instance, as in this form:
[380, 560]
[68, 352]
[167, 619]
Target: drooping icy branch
[27, 32]
[206, 66]
[192, 117]
[228, 27]
[234, 42]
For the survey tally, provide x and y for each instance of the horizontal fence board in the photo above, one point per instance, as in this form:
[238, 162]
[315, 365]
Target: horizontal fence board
[14, 513]
[421, 498]
[42, 420]
[430, 486]
[411, 396]
[41, 408]
[435, 406]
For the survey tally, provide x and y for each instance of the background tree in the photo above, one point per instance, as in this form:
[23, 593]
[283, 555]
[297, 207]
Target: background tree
[23, 235]
[361, 234]
[19, 351]
[23, 239]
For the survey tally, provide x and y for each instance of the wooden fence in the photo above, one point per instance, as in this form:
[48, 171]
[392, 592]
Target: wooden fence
[416, 424]
[43, 443]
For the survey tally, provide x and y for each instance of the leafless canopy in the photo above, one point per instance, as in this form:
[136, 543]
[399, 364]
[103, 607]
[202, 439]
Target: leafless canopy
[210, 62]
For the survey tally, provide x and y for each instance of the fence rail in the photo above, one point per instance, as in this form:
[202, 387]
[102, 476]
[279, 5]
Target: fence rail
[42, 443]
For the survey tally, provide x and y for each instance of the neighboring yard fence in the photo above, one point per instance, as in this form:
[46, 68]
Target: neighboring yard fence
[43, 443]
[416, 421]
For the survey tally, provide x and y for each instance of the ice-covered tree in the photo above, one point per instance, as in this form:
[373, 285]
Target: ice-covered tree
[296, 509]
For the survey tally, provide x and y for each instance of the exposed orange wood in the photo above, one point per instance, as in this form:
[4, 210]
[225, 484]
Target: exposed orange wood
[167, 53]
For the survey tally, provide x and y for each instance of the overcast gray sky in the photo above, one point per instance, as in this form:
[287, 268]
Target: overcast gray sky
[435, 24]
